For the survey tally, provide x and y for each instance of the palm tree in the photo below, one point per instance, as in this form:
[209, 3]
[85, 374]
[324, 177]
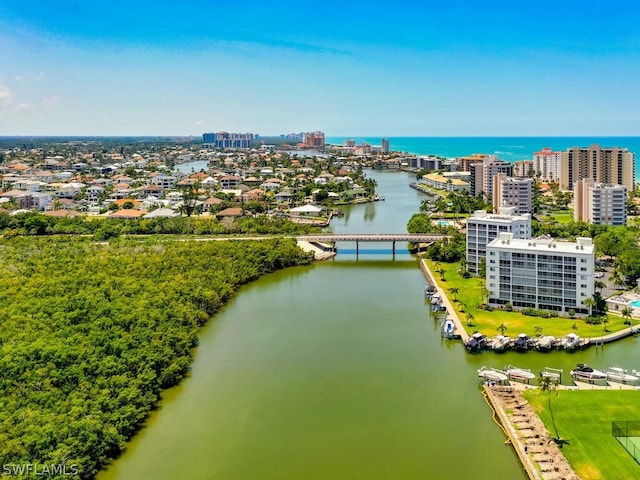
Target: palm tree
[454, 291]
[589, 303]
[605, 321]
[626, 313]
[486, 293]
[599, 284]
[502, 328]
[546, 384]
[574, 327]
[538, 330]
[469, 317]
[462, 306]
[441, 272]
[618, 279]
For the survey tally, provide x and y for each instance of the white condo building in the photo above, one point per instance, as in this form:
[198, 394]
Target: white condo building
[540, 273]
[599, 203]
[547, 163]
[483, 227]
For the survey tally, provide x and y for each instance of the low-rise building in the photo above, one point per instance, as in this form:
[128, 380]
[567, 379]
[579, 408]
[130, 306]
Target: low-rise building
[442, 182]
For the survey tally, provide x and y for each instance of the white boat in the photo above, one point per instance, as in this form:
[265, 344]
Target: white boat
[492, 375]
[620, 375]
[519, 374]
[554, 374]
[435, 299]
[499, 343]
[545, 343]
[585, 373]
[448, 328]
[570, 341]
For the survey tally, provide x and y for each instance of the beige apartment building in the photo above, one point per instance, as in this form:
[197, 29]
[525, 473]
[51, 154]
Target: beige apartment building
[599, 203]
[513, 192]
[546, 163]
[602, 165]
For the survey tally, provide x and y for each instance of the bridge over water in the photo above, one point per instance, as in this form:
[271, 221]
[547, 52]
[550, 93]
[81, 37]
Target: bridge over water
[372, 237]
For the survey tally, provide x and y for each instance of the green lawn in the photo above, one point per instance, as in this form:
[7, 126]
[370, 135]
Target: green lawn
[470, 294]
[584, 419]
[562, 216]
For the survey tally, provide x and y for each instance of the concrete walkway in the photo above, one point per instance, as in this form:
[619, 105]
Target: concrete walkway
[451, 313]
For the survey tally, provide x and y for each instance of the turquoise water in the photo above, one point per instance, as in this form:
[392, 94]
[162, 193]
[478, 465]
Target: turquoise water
[635, 303]
[506, 148]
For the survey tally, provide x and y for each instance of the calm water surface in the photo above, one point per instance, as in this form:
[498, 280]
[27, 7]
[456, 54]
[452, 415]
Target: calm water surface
[337, 371]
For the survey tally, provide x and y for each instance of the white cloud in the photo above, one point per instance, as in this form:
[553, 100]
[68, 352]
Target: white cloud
[21, 107]
[39, 76]
[5, 93]
[200, 122]
[51, 102]
[19, 78]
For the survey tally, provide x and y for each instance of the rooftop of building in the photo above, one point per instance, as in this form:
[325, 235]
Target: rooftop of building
[582, 245]
[505, 214]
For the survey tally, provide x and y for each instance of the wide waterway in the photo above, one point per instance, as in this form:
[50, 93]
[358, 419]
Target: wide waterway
[337, 371]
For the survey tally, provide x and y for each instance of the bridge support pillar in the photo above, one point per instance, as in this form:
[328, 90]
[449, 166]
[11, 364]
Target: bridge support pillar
[357, 247]
[393, 248]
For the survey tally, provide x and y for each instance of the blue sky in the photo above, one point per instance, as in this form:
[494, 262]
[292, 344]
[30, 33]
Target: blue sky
[430, 68]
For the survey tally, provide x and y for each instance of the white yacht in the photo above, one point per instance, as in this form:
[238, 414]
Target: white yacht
[584, 373]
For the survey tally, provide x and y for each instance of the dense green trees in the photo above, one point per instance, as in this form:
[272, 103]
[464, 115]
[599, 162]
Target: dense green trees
[91, 333]
[34, 223]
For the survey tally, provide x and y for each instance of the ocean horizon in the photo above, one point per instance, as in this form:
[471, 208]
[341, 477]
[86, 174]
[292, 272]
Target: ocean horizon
[510, 149]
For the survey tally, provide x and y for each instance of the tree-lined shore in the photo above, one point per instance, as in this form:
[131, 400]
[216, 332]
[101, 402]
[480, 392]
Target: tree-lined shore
[91, 333]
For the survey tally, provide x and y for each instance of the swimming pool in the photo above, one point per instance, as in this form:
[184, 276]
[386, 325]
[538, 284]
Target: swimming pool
[635, 304]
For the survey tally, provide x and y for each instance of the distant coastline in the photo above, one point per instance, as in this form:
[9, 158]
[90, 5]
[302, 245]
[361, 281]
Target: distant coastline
[511, 149]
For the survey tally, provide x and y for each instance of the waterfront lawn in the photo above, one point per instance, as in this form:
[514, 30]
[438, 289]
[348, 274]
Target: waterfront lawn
[470, 296]
[583, 418]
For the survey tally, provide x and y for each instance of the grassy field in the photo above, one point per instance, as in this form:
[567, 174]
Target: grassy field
[583, 418]
[470, 296]
[562, 216]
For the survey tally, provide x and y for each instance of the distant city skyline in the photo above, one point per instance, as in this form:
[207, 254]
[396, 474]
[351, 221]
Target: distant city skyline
[445, 68]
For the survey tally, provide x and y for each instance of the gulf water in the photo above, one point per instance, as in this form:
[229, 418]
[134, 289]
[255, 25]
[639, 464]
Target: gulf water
[510, 149]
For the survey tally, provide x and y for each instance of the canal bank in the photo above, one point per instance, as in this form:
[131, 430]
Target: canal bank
[337, 370]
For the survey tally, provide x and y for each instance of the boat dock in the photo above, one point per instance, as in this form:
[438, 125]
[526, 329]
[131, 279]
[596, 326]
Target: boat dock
[540, 456]
[451, 313]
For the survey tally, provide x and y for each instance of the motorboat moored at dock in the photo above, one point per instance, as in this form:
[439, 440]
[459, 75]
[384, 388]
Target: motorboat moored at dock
[448, 329]
[570, 341]
[545, 343]
[476, 342]
[522, 342]
[499, 343]
[519, 374]
[584, 373]
[492, 375]
[620, 375]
